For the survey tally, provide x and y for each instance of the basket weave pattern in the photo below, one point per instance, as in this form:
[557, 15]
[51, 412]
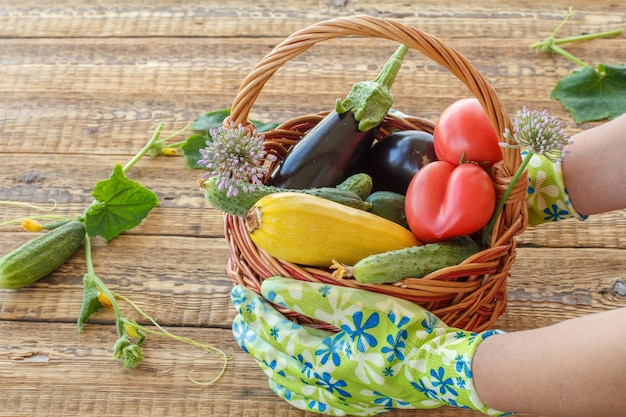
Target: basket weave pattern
[471, 295]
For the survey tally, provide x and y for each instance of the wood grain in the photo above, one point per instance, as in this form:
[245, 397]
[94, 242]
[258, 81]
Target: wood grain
[82, 88]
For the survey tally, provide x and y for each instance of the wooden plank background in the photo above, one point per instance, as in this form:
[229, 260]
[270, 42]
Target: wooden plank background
[83, 86]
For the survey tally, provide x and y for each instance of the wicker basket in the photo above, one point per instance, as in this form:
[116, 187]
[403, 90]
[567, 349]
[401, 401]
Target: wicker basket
[469, 296]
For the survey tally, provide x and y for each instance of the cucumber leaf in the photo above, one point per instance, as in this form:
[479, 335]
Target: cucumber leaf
[203, 125]
[210, 120]
[191, 150]
[589, 94]
[120, 204]
[263, 127]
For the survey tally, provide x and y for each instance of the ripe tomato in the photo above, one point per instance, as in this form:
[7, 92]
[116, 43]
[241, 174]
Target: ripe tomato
[464, 131]
[444, 201]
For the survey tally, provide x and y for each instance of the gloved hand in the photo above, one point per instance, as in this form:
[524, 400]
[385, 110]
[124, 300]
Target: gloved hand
[389, 353]
[547, 199]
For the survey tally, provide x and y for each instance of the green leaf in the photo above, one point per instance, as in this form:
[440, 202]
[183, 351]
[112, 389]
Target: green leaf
[90, 301]
[590, 94]
[204, 123]
[214, 119]
[120, 204]
[210, 120]
[191, 150]
[263, 127]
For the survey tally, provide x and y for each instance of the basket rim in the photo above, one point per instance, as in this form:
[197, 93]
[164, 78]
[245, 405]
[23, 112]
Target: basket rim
[371, 26]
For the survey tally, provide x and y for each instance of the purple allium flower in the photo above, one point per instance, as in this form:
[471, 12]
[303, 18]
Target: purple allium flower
[539, 132]
[235, 156]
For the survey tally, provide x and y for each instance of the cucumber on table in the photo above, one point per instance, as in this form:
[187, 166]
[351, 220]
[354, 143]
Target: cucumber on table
[40, 256]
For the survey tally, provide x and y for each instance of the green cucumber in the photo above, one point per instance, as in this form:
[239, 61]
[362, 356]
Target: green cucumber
[55, 223]
[389, 205]
[412, 262]
[40, 256]
[361, 184]
[239, 204]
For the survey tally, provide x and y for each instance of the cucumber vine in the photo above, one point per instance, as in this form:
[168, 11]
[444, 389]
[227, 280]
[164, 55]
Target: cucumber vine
[551, 43]
[588, 93]
[119, 205]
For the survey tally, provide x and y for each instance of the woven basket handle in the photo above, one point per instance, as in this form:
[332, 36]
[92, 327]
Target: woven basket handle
[369, 26]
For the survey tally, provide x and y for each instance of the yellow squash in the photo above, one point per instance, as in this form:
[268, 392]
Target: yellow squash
[310, 230]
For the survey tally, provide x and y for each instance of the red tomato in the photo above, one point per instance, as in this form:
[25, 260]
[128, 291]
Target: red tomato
[464, 131]
[444, 201]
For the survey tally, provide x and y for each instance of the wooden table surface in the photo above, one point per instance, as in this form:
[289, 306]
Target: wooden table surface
[82, 88]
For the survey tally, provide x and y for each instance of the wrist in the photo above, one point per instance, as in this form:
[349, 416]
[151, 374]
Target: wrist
[548, 199]
[485, 373]
[449, 375]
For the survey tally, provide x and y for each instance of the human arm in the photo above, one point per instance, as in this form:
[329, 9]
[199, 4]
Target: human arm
[588, 179]
[570, 369]
[594, 169]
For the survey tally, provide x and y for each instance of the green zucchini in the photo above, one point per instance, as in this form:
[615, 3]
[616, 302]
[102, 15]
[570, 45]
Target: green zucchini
[361, 184]
[239, 204]
[389, 205]
[40, 256]
[411, 262]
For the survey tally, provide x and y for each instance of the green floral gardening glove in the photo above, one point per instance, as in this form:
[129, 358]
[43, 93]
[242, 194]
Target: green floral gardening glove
[389, 353]
[547, 199]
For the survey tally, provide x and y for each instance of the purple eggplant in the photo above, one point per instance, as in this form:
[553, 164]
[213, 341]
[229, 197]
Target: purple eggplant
[329, 153]
[393, 161]
[317, 160]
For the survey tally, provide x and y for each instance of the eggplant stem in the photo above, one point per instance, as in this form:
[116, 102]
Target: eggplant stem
[370, 101]
[387, 75]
